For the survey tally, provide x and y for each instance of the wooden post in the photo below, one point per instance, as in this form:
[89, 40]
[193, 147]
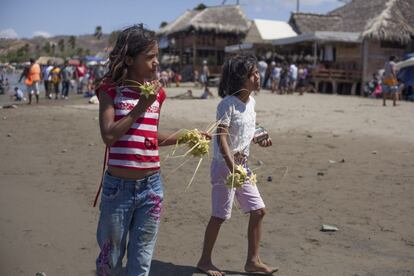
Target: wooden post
[194, 49]
[181, 39]
[364, 63]
[315, 52]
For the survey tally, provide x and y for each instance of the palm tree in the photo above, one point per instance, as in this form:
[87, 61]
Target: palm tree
[26, 47]
[46, 47]
[61, 45]
[98, 32]
[79, 51]
[53, 48]
[72, 41]
[200, 7]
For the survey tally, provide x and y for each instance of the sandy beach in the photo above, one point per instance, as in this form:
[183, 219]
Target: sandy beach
[336, 160]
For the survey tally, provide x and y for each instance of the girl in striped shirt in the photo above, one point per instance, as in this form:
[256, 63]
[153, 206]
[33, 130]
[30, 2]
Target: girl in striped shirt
[132, 194]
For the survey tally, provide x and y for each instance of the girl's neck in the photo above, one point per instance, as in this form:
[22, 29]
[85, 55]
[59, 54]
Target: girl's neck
[244, 95]
[133, 77]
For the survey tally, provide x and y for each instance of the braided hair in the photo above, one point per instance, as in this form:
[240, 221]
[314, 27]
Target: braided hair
[130, 42]
[236, 71]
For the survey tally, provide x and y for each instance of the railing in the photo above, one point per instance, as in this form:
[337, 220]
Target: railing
[335, 77]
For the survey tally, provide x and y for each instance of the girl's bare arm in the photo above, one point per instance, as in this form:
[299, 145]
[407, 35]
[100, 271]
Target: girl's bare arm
[165, 139]
[223, 134]
[111, 131]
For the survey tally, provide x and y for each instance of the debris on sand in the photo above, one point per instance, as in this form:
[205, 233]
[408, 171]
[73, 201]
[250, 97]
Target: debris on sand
[328, 228]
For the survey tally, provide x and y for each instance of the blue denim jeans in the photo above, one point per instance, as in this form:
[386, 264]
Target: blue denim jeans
[128, 208]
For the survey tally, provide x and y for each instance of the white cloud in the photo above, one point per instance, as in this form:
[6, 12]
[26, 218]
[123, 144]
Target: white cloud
[42, 34]
[8, 34]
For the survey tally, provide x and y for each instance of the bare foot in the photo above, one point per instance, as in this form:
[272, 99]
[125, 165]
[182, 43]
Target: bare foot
[260, 267]
[209, 269]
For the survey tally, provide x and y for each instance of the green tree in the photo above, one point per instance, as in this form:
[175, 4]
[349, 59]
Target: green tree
[53, 48]
[163, 24]
[72, 42]
[21, 55]
[26, 48]
[98, 32]
[87, 52]
[61, 45]
[79, 51]
[200, 7]
[46, 47]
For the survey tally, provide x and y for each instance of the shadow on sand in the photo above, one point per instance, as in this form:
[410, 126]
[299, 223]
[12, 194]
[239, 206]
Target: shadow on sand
[159, 268]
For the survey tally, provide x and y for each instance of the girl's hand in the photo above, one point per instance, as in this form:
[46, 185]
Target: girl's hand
[265, 143]
[145, 102]
[157, 86]
[206, 135]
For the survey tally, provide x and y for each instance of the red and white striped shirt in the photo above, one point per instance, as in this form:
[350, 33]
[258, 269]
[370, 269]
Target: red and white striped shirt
[138, 148]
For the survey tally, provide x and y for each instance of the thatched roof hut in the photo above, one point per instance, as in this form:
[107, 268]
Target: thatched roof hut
[199, 35]
[219, 19]
[395, 23]
[386, 20]
[362, 33]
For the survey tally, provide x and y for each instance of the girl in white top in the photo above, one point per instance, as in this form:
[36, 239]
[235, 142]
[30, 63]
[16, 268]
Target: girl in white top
[237, 120]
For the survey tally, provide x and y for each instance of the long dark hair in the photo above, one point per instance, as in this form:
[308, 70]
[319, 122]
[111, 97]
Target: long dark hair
[236, 70]
[130, 42]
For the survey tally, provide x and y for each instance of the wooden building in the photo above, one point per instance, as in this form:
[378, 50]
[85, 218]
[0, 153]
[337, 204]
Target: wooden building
[355, 40]
[199, 35]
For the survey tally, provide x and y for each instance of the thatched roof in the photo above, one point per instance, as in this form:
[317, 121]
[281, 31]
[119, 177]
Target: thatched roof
[391, 20]
[395, 23]
[220, 19]
[311, 22]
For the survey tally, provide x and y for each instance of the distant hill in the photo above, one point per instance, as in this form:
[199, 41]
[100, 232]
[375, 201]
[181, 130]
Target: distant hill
[20, 50]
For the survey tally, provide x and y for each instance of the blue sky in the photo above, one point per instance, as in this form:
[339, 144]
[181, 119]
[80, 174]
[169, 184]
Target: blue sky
[27, 18]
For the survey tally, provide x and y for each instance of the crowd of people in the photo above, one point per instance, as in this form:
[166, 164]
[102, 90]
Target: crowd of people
[278, 77]
[59, 80]
[283, 77]
[169, 76]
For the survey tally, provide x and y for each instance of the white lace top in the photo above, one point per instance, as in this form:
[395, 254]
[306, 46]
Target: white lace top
[240, 118]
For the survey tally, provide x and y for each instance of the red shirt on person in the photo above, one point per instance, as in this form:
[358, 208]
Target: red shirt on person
[138, 148]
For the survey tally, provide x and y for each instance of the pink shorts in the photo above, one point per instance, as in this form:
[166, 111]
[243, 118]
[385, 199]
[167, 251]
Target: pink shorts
[222, 197]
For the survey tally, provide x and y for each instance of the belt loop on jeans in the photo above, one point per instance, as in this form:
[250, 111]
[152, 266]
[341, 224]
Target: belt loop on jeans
[122, 184]
[154, 176]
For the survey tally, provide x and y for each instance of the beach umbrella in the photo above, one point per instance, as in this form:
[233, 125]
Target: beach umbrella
[73, 62]
[406, 69]
[94, 58]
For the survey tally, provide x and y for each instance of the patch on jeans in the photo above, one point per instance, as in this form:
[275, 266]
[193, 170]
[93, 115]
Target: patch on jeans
[102, 264]
[155, 211]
